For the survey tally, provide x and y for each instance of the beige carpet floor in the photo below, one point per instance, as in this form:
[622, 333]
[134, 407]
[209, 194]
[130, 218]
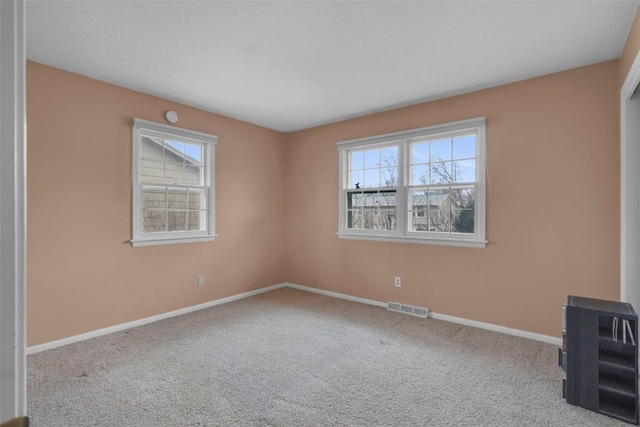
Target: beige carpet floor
[292, 358]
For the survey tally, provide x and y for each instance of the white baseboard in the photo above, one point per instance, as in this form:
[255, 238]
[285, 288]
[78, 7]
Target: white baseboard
[437, 316]
[140, 322]
[497, 328]
[336, 295]
[105, 331]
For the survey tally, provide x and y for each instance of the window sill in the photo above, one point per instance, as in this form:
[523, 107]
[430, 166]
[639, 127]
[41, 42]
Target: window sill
[155, 242]
[419, 240]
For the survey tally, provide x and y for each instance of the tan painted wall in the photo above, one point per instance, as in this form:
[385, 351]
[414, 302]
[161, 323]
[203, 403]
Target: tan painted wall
[552, 214]
[631, 48]
[552, 211]
[83, 275]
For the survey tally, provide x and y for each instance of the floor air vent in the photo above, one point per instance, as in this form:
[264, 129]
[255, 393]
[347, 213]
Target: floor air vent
[408, 309]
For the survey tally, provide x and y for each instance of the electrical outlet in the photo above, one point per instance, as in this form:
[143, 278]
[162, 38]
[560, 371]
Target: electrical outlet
[200, 280]
[397, 282]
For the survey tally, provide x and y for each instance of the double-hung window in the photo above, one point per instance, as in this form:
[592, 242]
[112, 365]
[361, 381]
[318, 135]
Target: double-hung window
[423, 185]
[173, 184]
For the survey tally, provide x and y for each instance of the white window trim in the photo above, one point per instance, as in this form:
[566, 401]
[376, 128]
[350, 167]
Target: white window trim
[401, 234]
[139, 238]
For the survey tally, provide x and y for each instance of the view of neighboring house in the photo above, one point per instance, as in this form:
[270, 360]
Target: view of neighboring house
[443, 210]
[170, 171]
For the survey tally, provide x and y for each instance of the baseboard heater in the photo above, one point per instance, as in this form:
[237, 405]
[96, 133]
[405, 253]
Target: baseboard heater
[408, 309]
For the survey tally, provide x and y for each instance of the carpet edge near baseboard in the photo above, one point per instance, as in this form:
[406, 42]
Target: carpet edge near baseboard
[134, 323]
[128, 325]
[452, 319]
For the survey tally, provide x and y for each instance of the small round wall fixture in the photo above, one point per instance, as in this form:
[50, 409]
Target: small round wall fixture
[171, 116]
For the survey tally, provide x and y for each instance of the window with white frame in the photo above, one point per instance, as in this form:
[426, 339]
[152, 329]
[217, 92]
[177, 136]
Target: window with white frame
[423, 185]
[173, 184]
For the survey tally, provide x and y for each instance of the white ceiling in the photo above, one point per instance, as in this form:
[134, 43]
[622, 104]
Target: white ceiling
[294, 65]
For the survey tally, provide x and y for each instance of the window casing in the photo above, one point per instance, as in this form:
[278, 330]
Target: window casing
[173, 184]
[423, 185]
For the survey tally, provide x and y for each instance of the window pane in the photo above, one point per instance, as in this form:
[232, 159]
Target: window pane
[151, 148]
[371, 199]
[196, 220]
[464, 147]
[371, 178]
[390, 177]
[377, 210]
[383, 199]
[177, 199]
[356, 177]
[175, 146]
[419, 221]
[193, 175]
[463, 197]
[439, 221]
[193, 154]
[151, 171]
[153, 221]
[153, 198]
[357, 160]
[374, 219]
[385, 220]
[462, 221]
[165, 161]
[196, 200]
[418, 210]
[441, 173]
[355, 219]
[176, 221]
[419, 174]
[173, 172]
[173, 162]
[419, 199]
[374, 167]
[389, 156]
[388, 199]
[368, 218]
[372, 158]
[441, 149]
[439, 198]
[355, 200]
[463, 209]
[420, 152]
[167, 210]
[151, 164]
[464, 171]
